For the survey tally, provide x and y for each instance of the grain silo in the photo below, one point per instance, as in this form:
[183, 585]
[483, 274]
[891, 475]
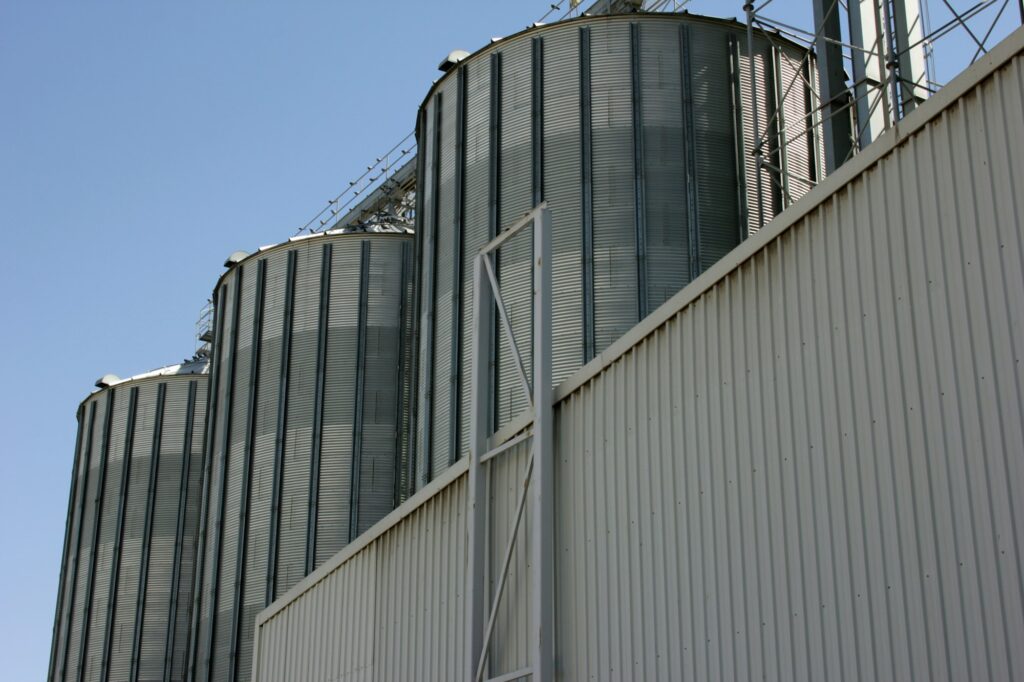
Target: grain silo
[126, 578]
[311, 358]
[638, 131]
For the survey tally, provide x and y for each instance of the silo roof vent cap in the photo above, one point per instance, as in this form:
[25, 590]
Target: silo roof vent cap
[235, 258]
[107, 380]
[453, 58]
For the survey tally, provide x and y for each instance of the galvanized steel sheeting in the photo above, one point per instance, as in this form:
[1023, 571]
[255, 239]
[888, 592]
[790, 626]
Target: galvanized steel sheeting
[113, 606]
[345, 320]
[806, 466]
[627, 126]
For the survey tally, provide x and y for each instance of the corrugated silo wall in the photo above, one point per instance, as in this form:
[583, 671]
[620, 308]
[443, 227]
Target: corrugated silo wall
[307, 436]
[126, 580]
[638, 131]
[807, 465]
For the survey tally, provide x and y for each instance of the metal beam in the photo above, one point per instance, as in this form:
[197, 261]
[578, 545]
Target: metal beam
[58, 618]
[690, 154]
[179, 533]
[476, 519]
[455, 359]
[283, 384]
[126, 459]
[543, 534]
[360, 390]
[147, 531]
[229, 392]
[207, 482]
[322, 324]
[742, 211]
[400, 383]
[587, 195]
[838, 131]
[639, 176]
[242, 543]
[90, 577]
[869, 71]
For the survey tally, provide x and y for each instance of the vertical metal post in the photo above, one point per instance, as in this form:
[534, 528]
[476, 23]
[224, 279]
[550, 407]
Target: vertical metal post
[868, 69]
[543, 545]
[147, 532]
[360, 391]
[689, 156]
[639, 176]
[179, 534]
[483, 302]
[587, 195]
[122, 500]
[911, 64]
[323, 322]
[838, 131]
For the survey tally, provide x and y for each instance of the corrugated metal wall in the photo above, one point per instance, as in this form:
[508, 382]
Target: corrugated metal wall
[807, 465]
[632, 128]
[138, 465]
[312, 351]
[393, 611]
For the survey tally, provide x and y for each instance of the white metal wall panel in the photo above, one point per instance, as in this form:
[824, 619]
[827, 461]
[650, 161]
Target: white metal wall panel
[812, 470]
[369, 619]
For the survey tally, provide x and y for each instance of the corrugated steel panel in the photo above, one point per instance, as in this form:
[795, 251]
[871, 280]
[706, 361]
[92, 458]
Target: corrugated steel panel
[562, 178]
[714, 141]
[368, 620]
[134, 533]
[809, 471]
[476, 203]
[664, 160]
[113, 605]
[515, 183]
[444, 244]
[386, 300]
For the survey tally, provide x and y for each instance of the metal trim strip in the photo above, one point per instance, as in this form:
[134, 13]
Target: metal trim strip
[455, 371]
[248, 447]
[690, 154]
[147, 532]
[403, 348]
[430, 289]
[494, 204]
[90, 584]
[639, 176]
[421, 169]
[312, 502]
[587, 193]
[58, 617]
[360, 388]
[129, 441]
[207, 475]
[229, 391]
[282, 423]
[739, 146]
[179, 534]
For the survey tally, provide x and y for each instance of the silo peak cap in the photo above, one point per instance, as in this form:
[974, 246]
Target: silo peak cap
[235, 258]
[107, 380]
[453, 58]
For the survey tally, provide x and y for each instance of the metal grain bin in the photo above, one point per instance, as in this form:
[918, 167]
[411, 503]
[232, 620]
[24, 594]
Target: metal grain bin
[638, 130]
[307, 431]
[129, 550]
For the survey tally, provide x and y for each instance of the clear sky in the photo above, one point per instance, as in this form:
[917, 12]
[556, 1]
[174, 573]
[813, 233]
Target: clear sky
[140, 144]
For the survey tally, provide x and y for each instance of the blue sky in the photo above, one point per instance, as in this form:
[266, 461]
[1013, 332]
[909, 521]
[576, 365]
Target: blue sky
[140, 144]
